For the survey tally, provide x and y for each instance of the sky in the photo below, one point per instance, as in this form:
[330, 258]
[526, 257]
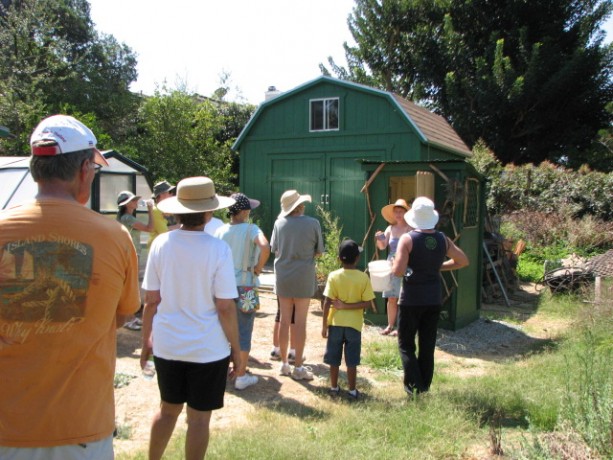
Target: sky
[259, 43]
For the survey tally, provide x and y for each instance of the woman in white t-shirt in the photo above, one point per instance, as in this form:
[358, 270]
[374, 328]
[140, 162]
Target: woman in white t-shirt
[189, 322]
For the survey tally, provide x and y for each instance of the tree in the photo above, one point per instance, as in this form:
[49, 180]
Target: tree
[181, 135]
[532, 79]
[52, 60]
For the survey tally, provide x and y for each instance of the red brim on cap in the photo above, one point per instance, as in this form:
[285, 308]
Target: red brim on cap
[99, 158]
[52, 150]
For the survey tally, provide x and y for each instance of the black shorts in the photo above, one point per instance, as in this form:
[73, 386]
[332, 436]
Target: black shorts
[200, 385]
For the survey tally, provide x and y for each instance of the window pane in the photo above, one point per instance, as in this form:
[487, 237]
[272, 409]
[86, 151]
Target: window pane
[110, 186]
[332, 113]
[317, 115]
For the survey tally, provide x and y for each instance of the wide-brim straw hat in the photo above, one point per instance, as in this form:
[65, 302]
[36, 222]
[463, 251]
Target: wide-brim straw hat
[388, 211]
[422, 215]
[290, 200]
[194, 194]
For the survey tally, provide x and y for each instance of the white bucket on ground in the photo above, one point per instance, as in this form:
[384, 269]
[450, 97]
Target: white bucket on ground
[380, 275]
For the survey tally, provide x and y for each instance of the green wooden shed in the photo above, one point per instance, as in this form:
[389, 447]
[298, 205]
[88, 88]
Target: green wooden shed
[355, 149]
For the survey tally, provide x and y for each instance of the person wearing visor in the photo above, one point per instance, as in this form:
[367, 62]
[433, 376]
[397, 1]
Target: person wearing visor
[250, 252]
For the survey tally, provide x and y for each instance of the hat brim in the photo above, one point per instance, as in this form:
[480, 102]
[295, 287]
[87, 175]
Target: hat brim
[253, 203]
[388, 212]
[421, 223]
[126, 201]
[299, 201]
[99, 158]
[173, 205]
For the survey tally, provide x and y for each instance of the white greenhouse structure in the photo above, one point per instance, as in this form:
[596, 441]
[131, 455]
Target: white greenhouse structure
[17, 185]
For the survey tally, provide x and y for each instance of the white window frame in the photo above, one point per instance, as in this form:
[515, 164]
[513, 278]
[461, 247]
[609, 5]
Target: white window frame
[325, 114]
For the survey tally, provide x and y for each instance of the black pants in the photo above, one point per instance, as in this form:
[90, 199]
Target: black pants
[420, 321]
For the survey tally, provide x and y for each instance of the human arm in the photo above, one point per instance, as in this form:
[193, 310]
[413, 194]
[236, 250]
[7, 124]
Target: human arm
[382, 238]
[401, 260]
[148, 227]
[226, 311]
[264, 246]
[152, 300]
[340, 305]
[457, 257]
[324, 326]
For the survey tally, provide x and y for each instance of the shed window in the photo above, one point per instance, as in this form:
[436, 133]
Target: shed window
[324, 114]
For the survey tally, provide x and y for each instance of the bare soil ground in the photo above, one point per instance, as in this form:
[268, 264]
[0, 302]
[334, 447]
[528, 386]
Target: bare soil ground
[462, 352]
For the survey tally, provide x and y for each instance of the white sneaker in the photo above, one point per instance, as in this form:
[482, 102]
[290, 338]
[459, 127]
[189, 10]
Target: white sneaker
[245, 381]
[285, 369]
[302, 373]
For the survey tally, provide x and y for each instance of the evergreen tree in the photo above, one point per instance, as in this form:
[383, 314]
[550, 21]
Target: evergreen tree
[530, 78]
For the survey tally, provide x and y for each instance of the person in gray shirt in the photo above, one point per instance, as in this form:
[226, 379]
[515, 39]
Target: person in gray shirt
[296, 241]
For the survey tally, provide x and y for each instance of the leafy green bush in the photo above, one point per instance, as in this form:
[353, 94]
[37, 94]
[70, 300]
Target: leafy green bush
[332, 229]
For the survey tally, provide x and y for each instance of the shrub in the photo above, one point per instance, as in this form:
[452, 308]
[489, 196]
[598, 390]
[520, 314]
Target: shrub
[331, 229]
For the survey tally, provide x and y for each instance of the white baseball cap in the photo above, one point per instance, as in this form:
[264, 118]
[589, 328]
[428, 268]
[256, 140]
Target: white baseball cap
[68, 133]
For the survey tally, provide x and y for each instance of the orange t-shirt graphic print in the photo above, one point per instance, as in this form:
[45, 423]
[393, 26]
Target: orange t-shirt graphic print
[45, 281]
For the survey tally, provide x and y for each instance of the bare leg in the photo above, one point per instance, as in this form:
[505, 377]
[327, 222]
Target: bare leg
[285, 304]
[392, 312]
[302, 310]
[292, 336]
[352, 375]
[162, 427]
[275, 335]
[334, 376]
[242, 370]
[197, 437]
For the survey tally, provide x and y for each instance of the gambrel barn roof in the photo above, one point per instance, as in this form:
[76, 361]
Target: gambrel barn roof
[431, 128]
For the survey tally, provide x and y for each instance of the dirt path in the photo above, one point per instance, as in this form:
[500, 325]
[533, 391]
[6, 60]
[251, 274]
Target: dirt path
[470, 351]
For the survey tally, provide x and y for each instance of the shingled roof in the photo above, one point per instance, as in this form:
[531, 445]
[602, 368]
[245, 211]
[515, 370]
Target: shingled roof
[434, 127]
[601, 265]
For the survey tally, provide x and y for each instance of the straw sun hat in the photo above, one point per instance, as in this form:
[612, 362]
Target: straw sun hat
[388, 211]
[290, 200]
[194, 194]
[422, 215]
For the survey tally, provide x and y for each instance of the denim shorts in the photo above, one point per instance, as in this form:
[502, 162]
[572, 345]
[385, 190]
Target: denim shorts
[340, 337]
[394, 292]
[245, 328]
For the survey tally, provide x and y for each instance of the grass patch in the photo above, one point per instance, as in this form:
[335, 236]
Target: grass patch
[557, 398]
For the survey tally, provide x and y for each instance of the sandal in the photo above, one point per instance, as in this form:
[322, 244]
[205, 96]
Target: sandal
[387, 330]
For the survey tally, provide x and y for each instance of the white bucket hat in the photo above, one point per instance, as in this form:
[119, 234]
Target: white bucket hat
[194, 194]
[422, 215]
[290, 201]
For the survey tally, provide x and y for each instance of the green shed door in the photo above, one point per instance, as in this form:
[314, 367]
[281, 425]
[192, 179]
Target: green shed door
[304, 173]
[345, 179]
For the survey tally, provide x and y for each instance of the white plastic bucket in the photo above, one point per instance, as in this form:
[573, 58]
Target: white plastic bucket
[380, 275]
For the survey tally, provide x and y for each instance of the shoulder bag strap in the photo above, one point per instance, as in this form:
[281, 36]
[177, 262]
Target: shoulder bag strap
[246, 254]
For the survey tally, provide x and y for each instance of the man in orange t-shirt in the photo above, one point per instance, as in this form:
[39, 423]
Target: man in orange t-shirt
[68, 276]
